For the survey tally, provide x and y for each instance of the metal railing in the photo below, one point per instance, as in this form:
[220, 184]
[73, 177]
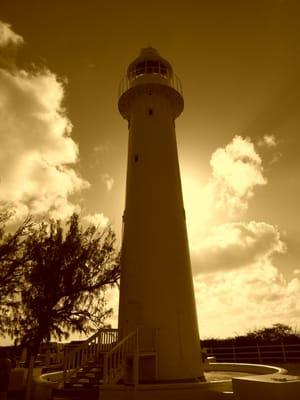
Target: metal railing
[115, 360]
[170, 80]
[78, 357]
[280, 353]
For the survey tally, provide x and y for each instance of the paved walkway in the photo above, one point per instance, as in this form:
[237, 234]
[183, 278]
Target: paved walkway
[212, 376]
[293, 369]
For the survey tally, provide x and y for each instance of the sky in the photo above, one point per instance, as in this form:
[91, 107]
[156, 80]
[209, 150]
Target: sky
[64, 143]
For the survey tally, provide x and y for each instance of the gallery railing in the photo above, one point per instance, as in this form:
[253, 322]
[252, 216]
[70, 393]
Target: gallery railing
[171, 80]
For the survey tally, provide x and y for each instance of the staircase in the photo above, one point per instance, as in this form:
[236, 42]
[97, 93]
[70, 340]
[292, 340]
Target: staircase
[84, 367]
[101, 359]
[84, 384]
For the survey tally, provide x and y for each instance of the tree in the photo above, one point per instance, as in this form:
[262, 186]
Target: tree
[12, 259]
[66, 273]
[277, 333]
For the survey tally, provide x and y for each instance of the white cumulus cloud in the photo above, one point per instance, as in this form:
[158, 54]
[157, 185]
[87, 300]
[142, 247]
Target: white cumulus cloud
[241, 300]
[9, 42]
[37, 155]
[237, 169]
[8, 36]
[97, 219]
[267, 141]
[236, 245]
[108, 180]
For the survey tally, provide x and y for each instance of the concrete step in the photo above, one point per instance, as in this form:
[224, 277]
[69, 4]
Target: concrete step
[82, 383]
[95, 369]
[227, 395]
[76, 394]
[92, 364]
[84, 374]
[83, 379]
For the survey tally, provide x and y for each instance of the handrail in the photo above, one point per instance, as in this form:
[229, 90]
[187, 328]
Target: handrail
[115, 359]
[101, 341]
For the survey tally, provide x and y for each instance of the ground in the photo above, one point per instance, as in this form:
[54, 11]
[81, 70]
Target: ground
[293, 369]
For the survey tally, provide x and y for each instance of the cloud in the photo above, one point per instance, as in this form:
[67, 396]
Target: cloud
[97, 219]
[267, 141]
[236, 245]
[37, 155]
[112, 297]
[241, 300]
[9, 42]
[8, 36]
[237, 287]
[236, 170]
[100, 148]
[108, 180]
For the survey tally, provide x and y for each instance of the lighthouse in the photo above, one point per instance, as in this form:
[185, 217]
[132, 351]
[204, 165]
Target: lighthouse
[156, 288]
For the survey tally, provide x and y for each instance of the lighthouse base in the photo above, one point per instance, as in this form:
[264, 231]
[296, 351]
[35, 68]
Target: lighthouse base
[229, 381]
[168, 391]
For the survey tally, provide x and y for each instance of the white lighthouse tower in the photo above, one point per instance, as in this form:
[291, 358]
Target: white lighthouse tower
[156, 290]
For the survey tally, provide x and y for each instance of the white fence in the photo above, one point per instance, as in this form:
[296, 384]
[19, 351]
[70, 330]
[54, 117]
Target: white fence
[281, 353]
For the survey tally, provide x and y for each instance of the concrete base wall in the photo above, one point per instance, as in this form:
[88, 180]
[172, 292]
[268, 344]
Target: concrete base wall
[255, 369]
[180, 391]
[17, 380]
[220, 390]
[43, 385]
[275, 387]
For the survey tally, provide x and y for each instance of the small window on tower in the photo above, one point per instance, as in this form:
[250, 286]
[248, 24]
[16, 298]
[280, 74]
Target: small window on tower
[150, 111]
[140, 69]
[163, 70]
[136, 158]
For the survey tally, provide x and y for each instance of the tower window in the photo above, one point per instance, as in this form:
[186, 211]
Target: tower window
[149, 67]
[150, 111]
[136, 158]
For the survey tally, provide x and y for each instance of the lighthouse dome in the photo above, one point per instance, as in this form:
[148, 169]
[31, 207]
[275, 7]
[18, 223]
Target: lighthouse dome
[149, 73]
[149, 62]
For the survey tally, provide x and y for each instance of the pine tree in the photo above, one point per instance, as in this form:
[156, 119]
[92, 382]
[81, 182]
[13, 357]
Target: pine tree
[12, 260]
[66, 273]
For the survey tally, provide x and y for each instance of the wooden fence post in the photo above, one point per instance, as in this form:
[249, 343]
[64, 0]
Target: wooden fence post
[258, 353]
[283, 353]
[233, 352]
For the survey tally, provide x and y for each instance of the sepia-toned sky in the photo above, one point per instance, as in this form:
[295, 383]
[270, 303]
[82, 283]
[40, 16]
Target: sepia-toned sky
[64, 144]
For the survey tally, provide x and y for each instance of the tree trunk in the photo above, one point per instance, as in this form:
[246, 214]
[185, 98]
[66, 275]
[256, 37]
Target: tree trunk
[29, 377]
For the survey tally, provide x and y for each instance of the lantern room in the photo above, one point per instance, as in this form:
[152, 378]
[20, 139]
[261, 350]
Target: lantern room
[149, 62]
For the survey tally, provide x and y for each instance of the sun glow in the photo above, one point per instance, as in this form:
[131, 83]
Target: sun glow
[199, 204]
